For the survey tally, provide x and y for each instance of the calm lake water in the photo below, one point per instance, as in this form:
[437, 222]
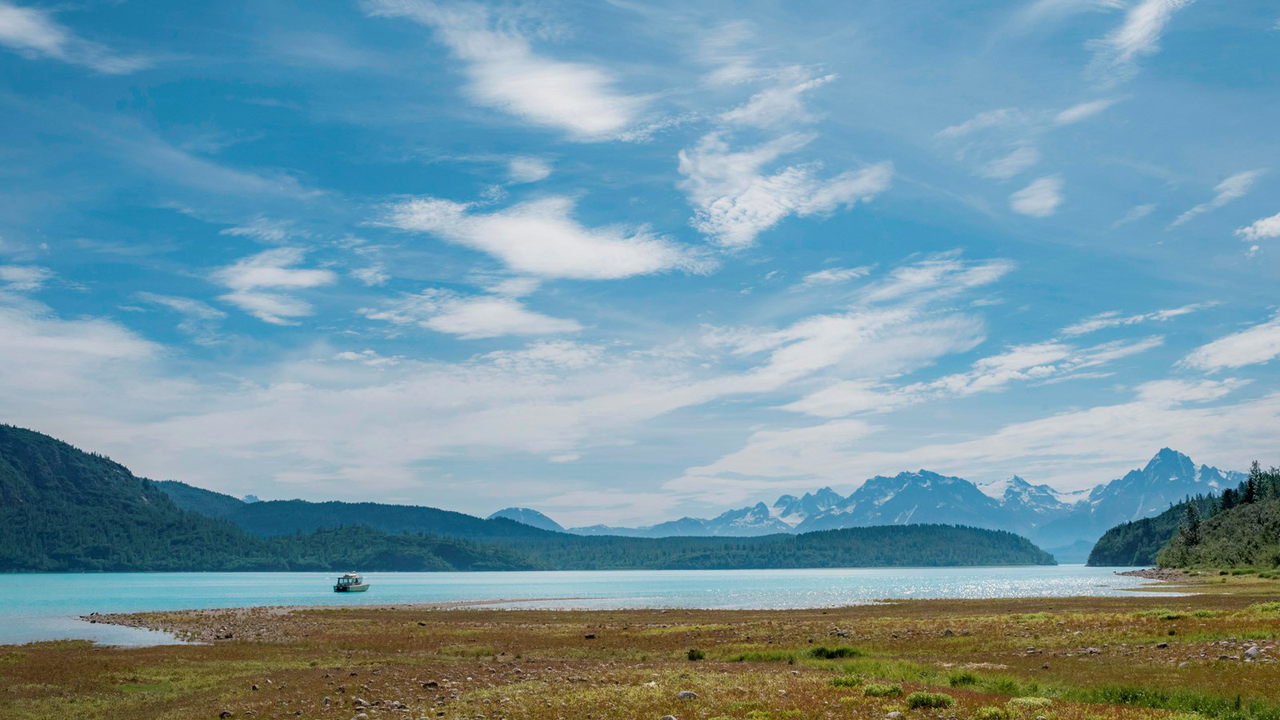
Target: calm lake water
[47, 606]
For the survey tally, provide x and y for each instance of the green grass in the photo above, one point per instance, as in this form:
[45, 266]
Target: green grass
[836, 653]
[929, 700]
[882, 690]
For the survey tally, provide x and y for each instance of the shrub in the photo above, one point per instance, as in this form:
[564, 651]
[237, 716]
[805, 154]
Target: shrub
[879, 690]
[843, 651]
[991, 712]
[922, 699]
[962, 678]
[695, 654]
[846, 681]
[1030, 703]
[1205, 614]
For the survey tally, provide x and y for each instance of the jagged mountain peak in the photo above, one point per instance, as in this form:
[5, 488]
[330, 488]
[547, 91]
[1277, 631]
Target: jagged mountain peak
[529, 517]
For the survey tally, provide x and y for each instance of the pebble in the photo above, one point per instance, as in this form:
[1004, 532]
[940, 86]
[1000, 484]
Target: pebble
[687, 695]
[894, 715]
[668, 717]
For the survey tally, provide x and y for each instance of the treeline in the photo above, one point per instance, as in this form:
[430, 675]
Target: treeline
[879, 546]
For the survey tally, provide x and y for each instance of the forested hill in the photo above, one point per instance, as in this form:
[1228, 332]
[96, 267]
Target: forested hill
[285, 517]
[62, 509]
[1139, 542]
[1244, 531]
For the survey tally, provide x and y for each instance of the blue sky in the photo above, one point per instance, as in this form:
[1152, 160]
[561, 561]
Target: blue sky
[624, 261]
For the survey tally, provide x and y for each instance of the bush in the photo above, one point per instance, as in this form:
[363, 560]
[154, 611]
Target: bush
[843, 651]
[846, 681]
[1031, 703]
[695, 654]
[962, 678]
[879, 690]
[921, 699]
[991, 712]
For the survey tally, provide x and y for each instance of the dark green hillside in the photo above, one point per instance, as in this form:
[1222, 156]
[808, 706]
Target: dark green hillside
[286, 517]
[1138, 542]
[1244, 536]
[63, 509]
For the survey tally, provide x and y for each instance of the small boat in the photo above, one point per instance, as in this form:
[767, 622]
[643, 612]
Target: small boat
[351, 582]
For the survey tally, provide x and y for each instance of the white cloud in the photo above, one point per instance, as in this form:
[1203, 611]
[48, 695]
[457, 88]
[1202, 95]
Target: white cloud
[542, 238]
[1112, 319]
[24, 278]
[1259, 344]
[1267, 227]
[470, 317]
[1040, 362]
[1234, 187]
[372, 276]
[831, 276]
[984, 121]
[33, 33]
[1005, 167]
[1137, 212]
[264, 229]
[1039, 199]
[779, 105]
[506, 73]
[1046, 11]
[735, 200]
[199, 320]
[255, 283]
[938, 276]
[528, 169]
[1082, 111]
[1116, 55]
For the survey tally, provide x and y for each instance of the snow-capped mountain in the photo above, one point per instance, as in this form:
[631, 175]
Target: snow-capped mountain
[1050, 518]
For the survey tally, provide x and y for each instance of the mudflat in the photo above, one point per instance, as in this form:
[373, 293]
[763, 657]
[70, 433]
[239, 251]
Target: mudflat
[1211, 652]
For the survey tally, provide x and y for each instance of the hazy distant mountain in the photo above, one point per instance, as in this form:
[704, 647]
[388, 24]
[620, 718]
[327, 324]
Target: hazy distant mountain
[1066, 522]
[529, 517]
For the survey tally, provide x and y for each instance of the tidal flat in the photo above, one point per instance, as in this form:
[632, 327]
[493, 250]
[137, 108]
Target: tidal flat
[1210, 651]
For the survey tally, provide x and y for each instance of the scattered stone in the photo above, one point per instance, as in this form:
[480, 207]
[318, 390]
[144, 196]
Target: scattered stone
[1252, 653]
[1093, 651]
[668, 717]
[226, 714]
[947, 633]
[255, 686]
[1162, 645]
[430, 684]
[326, 701]
[687, 695]
[894, 715]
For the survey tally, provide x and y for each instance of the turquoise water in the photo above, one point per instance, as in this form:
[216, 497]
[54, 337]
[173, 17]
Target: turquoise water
[47, 606]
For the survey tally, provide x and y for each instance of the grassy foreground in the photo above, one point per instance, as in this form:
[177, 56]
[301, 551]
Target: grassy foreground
[1149, 655]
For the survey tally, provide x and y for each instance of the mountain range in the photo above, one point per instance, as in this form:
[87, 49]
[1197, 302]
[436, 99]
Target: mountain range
[1066, 524]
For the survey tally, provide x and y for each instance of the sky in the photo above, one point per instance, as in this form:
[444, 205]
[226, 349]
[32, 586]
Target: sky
[624, 262]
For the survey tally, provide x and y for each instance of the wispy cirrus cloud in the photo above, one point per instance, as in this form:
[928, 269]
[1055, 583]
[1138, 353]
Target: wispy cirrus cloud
[1039, 199]
[1112, 319]
[470, 317]
[542, 238]
[34, 33]
[736, 197]
[199, 320]
[260, 284]
[506, 73]
[1253, 346]
[1233, 188]
[24, 278]
[1116, 55]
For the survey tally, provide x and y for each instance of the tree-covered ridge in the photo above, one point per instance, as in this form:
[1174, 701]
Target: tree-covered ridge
[1242, 528]
[285, 517]
[1139, 542]
[62, 509]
